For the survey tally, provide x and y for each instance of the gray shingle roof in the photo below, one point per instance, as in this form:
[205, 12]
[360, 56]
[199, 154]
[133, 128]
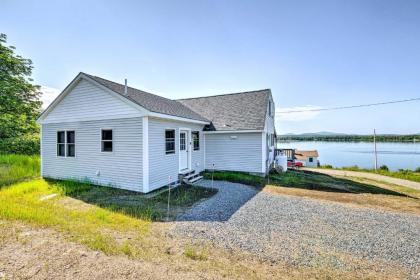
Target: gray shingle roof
[235, 111]
[151, 102]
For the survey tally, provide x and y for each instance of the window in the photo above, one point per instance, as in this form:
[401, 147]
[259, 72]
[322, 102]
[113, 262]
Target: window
[269, 108]
[61, 144]
[182, 141]
[196, 140]
[170, 141]
[106, 140]
[311, 159]
[66, 144]
[71, 148]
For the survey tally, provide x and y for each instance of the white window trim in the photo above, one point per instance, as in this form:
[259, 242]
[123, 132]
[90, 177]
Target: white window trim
[100, 139]
[164, 137]
[65, 143]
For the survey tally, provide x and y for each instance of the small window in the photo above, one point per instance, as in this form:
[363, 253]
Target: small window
[269, 108]
[106, 140]
[170, 141]
[71, 148]
[61, 144]
[66, 144]
[311, 159]
[196, 140]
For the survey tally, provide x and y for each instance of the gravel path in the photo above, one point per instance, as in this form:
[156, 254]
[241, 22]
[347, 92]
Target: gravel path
[372, 176]
[302, 231]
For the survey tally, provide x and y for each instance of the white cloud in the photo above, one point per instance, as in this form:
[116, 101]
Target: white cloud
[303, 115]
[48, 95]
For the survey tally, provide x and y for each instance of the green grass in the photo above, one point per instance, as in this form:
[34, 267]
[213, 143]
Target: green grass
[101, 223]
[237, 177]
[87, 225]
[16, 168]
[136, 204]
[304, 180]
[195, 254]
[322, 182]
[401, 174]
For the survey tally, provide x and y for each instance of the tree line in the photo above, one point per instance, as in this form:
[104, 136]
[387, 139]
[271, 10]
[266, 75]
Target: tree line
[351, 138]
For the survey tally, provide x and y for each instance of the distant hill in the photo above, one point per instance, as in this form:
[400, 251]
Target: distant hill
[342, 137]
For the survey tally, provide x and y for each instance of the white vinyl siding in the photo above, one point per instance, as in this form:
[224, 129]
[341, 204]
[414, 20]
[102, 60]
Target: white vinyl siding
[87, 101]
[162, 165]
[234, 151]
[122, 168]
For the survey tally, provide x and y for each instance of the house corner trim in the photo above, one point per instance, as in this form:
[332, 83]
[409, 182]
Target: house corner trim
[145, 162]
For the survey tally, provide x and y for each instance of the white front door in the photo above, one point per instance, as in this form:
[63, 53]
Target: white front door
[183, 149]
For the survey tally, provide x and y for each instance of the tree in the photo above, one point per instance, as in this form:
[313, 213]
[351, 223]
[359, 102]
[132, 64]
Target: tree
[19, 98]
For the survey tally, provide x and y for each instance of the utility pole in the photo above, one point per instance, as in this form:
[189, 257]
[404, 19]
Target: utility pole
[376, 154]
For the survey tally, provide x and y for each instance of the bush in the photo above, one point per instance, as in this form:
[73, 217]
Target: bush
[24, 145]
[384, 167]
[417, 169]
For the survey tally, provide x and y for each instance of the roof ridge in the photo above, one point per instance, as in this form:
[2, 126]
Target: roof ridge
[139, 91]
[127, 86]
[224, 94]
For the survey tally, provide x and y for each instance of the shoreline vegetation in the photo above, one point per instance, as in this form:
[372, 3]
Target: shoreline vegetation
[411, 138]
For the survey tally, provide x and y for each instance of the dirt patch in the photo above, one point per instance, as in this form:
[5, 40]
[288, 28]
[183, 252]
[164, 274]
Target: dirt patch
[34, 253]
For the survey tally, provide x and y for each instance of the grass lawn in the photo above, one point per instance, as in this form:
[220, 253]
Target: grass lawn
[401, 174]
[60, 205]
[15, 168]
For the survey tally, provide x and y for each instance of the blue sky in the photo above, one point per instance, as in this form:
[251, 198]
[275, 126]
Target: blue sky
[312, 54]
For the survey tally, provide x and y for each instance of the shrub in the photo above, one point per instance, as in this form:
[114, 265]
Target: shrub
[327, 166]
[384, 167]
[417, 169]
[24, 145]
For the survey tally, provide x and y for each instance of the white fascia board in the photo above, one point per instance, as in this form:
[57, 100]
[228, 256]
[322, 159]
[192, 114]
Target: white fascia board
[73, 83]
[145, 161]
[233, 131]
[175, 118]
[83, 119]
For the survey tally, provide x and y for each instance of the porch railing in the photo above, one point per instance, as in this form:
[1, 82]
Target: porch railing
[290, 153]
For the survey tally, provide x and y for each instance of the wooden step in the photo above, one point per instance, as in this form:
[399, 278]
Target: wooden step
[197, 178]
[186, 172]
[192, 175]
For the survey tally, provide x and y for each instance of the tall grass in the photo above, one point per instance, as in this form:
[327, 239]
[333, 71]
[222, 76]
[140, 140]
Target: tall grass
[15, 168]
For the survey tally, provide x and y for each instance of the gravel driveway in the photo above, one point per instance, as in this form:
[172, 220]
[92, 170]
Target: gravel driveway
[303, 231]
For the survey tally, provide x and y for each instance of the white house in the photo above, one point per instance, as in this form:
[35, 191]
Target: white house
[307, 158]
[119, 136]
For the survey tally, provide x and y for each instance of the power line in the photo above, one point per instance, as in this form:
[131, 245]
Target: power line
[352, 106]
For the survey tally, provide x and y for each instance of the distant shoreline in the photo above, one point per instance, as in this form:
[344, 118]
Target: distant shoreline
[350, 138]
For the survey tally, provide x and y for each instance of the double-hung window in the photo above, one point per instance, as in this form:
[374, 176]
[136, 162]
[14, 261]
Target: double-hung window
[106, 140]
[66, 143]
[196, 140]
[170, 141]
